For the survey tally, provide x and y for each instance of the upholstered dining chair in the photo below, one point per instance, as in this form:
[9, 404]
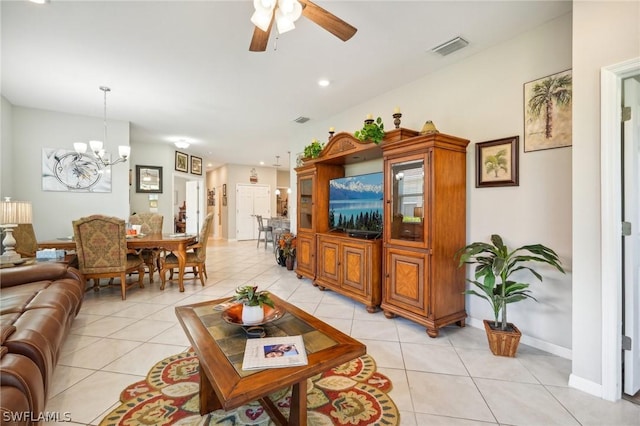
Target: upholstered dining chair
[26, 243]
[151, 223]
[101, 246]
[266, 229]
[196, 255]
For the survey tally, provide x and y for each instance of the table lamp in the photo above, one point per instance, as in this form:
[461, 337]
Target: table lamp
[12, 213]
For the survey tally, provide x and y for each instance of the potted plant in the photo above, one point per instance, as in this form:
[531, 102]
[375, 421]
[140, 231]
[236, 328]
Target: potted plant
[253, 302]
[492, 277]
[313, 149]
[287, 248]
[372, 130]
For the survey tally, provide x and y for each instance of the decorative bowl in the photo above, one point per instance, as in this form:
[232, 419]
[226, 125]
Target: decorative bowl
[233, 315]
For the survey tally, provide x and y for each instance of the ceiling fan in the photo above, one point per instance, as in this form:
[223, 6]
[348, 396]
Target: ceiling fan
[285, 13]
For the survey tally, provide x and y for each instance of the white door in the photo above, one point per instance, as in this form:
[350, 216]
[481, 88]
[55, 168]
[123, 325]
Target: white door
[251, 200]
[196, 206]
[631, 243]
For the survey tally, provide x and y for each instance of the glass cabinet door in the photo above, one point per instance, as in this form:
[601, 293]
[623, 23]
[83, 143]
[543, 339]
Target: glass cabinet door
[305, 209]
[407, 200]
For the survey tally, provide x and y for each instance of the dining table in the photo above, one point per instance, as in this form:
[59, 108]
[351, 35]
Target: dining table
[176, 243]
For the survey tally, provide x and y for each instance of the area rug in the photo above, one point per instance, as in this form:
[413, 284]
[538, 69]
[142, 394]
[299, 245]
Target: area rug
[351, 394]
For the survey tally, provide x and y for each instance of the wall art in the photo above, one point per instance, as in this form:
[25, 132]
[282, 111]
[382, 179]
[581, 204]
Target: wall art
[149, 179]
[497, 163]
[196, 165]
[182, 162]
[547, 112]
[64, 170]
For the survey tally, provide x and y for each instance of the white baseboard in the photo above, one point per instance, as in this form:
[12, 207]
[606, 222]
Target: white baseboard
[585, 385]
[531, 341]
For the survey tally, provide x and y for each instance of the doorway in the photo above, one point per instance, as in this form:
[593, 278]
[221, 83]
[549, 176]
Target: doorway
[620, 187]
[251, 200]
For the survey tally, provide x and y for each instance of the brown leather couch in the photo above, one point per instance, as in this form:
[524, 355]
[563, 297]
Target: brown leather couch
[37, 306]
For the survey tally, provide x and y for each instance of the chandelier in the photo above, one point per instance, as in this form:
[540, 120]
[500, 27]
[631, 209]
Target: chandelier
[97, 147]
[287, 12]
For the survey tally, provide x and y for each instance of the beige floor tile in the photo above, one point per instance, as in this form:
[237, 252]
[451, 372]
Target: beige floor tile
[139, 310]
[99, 354]
[432, 358]
[446, 395]
[103, 327]
[386, 354]
[140, 360]
[64, 377]
[408, 418]
[167, 314]
[90, 397]
[410, 332]
[594, 411]
[334, 311]
[483, 363]
[141, 330]
[343, 325]
[400, 393]
[381, 331]
[173, 335]
[466, 337]
[523, 403]
[74, 342]
[549, 370]
[432, 420]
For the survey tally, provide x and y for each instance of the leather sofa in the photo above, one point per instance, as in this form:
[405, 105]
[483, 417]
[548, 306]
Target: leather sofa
[38, 304]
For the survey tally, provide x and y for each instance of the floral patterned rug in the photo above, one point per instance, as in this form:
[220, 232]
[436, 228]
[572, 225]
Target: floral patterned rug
[351, 394]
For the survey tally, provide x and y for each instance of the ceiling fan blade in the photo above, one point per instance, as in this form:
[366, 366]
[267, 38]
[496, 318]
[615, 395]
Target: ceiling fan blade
[328, 20]
[260, 39]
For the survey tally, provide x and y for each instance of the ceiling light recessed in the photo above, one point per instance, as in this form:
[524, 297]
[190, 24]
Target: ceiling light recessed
[323, 83]
[262, 163]
[301, 119]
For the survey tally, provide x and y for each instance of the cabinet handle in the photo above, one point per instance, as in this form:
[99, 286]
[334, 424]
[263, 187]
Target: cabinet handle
[388, 201]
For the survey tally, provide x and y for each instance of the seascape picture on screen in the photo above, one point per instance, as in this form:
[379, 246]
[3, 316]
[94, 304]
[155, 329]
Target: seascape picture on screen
[355, 203]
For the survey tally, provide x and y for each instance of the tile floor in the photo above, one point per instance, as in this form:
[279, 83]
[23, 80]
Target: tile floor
[451, 380]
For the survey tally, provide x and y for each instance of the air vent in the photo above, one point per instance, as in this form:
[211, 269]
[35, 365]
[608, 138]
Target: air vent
[301, 119]
[450, 46]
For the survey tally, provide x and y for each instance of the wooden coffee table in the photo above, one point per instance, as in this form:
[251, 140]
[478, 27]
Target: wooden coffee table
[220, 345]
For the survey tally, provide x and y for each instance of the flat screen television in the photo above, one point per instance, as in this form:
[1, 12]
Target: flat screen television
[355, 205]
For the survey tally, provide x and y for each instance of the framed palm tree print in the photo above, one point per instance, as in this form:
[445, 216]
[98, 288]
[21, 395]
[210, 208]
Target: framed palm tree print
[497, 162]
[547, 112]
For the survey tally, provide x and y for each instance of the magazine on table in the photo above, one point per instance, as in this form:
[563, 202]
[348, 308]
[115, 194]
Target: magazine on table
[274, 352]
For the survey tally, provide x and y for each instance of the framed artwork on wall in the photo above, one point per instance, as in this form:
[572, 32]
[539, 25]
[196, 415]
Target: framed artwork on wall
[196, 165]
[149, 179]
[64, 170]
[497, 163]
[547, 112]
[182, 162]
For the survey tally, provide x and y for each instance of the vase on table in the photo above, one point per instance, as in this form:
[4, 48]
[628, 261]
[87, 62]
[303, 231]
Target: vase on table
[252, 314]
[289, 262]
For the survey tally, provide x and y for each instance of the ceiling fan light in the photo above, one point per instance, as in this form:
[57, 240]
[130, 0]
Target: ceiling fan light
[261, 19]
[264, 6]
[283, 22]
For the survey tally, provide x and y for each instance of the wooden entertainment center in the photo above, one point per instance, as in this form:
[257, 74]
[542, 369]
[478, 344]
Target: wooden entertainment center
[411, 271]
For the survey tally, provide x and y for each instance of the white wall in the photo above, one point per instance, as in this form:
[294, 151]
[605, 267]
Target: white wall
[6, 149]
[158, 155]
[604, 33]
[53, 212]
[481, 99]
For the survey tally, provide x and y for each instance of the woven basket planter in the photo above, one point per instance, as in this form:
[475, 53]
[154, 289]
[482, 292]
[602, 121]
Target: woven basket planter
[502, 343]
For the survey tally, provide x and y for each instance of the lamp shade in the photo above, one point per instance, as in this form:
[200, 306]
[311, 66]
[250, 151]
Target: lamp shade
[15, 212]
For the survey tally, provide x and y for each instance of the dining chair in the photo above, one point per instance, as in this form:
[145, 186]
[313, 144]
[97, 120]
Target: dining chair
[196, 256]
[26, 242]
[101, 246]
[266, 229]
[151, 223]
